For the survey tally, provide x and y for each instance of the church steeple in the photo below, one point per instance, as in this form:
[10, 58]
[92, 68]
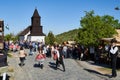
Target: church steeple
[34, 32]
[36, 19]
[36, 28]
[36, 14]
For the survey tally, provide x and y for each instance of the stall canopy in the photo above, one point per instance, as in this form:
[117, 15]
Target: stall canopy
[109, 39]
[117, 37]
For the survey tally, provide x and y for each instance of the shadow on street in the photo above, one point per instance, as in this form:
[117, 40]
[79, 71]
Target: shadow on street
[52, 65]
[96, 72]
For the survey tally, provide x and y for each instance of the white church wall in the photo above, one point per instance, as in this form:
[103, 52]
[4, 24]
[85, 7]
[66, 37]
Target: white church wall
[26, 36]
[29, 38]
[37, 38]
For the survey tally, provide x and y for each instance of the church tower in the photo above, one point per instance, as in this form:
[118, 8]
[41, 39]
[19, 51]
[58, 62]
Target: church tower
[36, 19]
[36, 28]
[33, 32]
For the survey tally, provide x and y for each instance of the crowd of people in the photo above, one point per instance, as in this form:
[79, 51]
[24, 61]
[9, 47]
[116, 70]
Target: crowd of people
[64, 50]
[79, 52]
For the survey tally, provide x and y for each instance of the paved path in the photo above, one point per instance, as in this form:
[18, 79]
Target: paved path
[75, 70]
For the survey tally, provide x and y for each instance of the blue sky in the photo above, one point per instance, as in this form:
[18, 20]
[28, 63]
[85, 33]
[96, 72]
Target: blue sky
[57, 16]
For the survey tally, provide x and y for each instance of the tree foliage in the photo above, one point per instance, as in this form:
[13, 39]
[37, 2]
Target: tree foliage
[11, 36]
[95, 27]
[67, 36]
[8, 37]
[50, 38]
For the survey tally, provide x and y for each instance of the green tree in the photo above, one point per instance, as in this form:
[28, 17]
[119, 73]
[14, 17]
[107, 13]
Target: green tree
[95, 27]
[67, 36]
[50, 39]
[11, 36]
[8, 37]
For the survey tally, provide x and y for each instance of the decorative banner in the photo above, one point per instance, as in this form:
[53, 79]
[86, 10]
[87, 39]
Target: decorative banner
[7, 27]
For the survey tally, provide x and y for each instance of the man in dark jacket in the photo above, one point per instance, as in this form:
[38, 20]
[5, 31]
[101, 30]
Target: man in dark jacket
[114, 53]
[60, 58]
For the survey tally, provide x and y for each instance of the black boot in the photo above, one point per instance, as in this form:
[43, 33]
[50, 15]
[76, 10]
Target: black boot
[64, 70]
[41, 66]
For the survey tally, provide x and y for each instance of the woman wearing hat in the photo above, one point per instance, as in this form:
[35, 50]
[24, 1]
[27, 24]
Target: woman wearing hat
[113, 51]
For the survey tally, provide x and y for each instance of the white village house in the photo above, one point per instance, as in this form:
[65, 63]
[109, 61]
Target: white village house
[34, 32]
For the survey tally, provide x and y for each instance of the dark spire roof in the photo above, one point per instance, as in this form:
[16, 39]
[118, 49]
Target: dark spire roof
[34, 30]
[37, 34]
[36, 14]
[25, 31]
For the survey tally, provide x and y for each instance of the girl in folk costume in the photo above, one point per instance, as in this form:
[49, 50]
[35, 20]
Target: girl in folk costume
[22, 56]
[40, 57]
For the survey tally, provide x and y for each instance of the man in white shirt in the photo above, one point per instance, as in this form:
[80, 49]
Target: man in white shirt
[114, 53]
[60, 55]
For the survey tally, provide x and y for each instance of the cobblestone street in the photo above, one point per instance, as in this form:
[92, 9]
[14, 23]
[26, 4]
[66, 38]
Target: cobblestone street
[74, 70]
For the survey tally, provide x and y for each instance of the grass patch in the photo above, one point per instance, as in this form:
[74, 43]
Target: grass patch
[11, 78]
[104, 70]
[6, 69]
[10, 69]
[10, 55]
[3, 69]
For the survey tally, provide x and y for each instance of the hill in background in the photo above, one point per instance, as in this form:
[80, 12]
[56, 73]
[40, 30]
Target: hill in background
[67, 36]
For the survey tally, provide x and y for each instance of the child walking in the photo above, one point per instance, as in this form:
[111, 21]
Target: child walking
[22, 56]
[40, 57]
